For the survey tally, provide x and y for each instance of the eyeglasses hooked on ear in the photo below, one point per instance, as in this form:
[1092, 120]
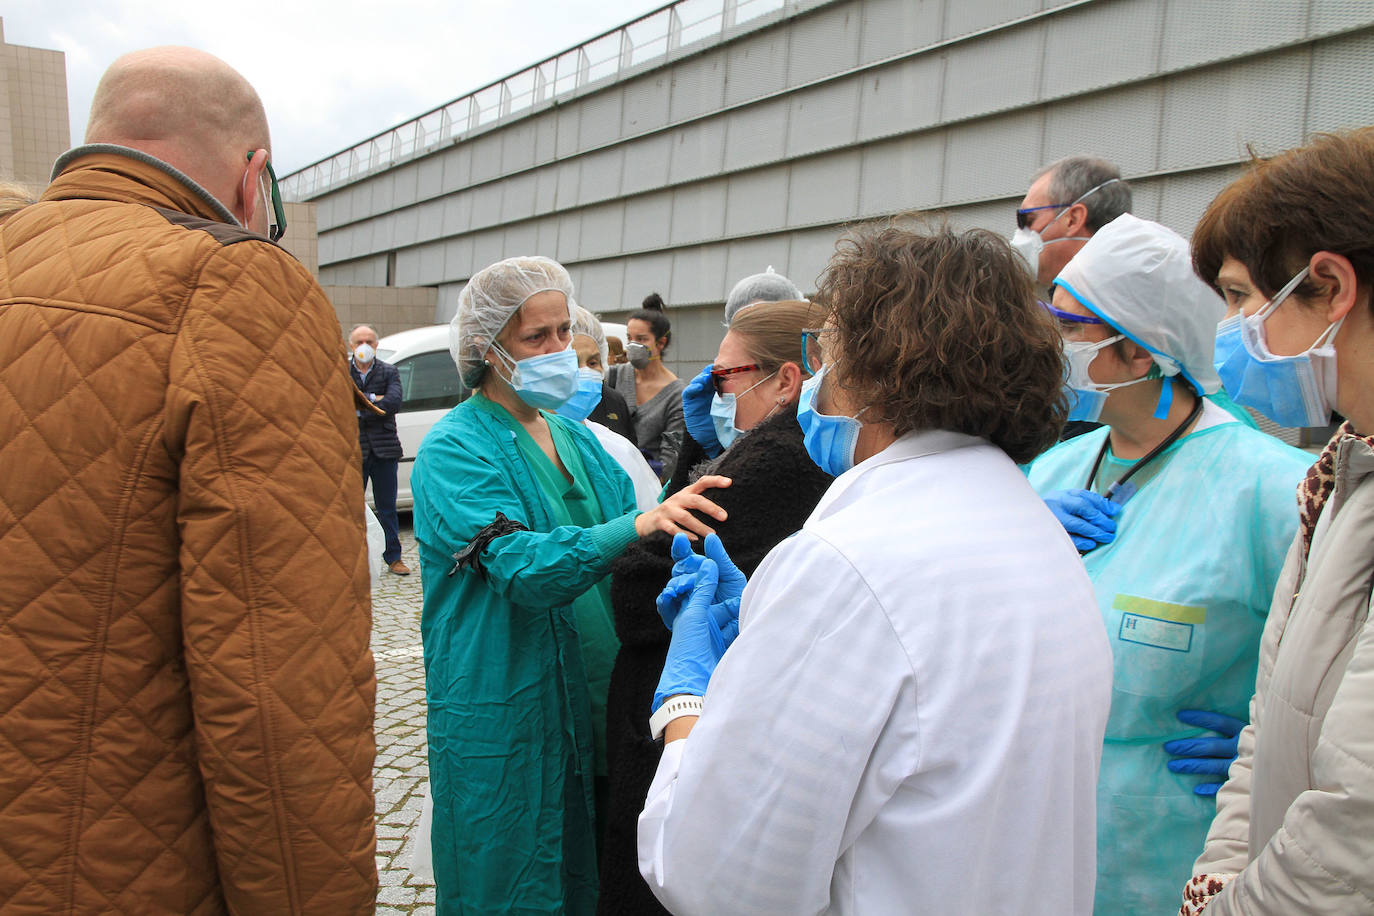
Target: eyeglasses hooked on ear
[276, 223]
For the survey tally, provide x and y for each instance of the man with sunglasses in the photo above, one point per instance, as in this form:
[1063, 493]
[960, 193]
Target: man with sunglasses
[186, 715]
[1067, 202]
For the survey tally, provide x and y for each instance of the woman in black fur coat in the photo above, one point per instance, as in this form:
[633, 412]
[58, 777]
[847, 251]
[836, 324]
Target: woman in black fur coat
[775, 487]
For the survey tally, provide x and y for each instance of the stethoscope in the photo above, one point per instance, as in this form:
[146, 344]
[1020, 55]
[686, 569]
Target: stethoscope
[1151, 455]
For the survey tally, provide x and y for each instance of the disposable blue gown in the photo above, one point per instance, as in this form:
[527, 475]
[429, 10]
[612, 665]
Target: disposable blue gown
[1184, 589]
[509, 718]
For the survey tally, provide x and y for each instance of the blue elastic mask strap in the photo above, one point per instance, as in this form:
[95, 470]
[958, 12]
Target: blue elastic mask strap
[1166, 399]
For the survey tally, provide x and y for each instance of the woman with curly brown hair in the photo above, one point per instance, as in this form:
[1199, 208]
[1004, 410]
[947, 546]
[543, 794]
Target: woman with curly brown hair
[911, 716]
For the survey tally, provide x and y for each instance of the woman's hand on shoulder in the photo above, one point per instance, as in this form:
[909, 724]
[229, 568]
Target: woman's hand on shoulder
[674, 514]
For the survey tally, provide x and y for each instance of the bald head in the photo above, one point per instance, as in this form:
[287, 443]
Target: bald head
[187, 108]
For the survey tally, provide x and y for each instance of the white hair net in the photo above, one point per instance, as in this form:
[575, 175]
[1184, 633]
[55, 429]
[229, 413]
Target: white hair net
[588, 325]
[769, 286]
[492, 296]
[1137, 276]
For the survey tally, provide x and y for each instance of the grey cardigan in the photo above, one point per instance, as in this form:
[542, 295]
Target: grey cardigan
[659, 425]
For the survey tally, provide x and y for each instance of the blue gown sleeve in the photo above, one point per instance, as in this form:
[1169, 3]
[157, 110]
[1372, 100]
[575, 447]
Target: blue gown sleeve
[460, 486]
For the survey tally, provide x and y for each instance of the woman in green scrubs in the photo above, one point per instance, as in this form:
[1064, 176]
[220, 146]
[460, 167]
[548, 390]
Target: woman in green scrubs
[518, 515]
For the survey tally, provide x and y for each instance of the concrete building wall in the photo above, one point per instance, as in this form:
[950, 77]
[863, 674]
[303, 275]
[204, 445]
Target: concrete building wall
[757, 147]
[387, 310]
[302, 238]
[34, 129]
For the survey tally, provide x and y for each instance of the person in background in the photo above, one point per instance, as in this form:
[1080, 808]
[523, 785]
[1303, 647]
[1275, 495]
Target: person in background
[650, 388]
[1290, 245]
[518, 515]
[589, 342]
[769, 286]
[1183, 514]
[911, 716]
[188, 692]
[775, 485]
[379, 384]
[615, 350]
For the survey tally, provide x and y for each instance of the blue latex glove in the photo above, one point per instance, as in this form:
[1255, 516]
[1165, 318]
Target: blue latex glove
[1206, 756]
[696, 410]
[685, 565]
[704, 630]
[1086, 516]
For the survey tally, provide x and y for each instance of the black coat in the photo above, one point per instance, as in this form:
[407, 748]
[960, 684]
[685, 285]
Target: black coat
[776, 486]
[613, 413]
[377, 434]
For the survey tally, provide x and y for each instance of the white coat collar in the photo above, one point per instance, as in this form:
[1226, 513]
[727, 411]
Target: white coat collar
[915, 444]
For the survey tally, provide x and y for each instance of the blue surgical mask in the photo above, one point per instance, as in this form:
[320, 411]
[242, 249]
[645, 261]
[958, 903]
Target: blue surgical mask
[580, 406]
[1086, 397]
[545, 381]
[723, 413]
[1290, 390]
[830, 441]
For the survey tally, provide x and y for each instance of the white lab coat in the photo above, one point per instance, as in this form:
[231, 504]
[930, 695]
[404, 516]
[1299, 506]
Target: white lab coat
[629, 457]
[911, 718]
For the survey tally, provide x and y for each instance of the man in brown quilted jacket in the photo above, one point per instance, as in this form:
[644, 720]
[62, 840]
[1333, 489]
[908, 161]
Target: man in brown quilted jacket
[186, 690]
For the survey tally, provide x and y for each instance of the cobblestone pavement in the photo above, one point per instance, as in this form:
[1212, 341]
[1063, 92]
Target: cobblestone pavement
[402, 773]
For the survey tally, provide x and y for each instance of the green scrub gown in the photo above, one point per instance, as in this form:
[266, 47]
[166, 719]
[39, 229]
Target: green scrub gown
[509, 674]
[1183, 589]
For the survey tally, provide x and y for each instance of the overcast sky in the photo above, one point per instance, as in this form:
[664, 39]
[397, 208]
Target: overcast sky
[330, 73]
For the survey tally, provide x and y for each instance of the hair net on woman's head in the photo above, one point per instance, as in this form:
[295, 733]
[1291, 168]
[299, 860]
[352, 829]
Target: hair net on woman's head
[769, 286]
[588, 325]
[493, 295]
[1137, 276]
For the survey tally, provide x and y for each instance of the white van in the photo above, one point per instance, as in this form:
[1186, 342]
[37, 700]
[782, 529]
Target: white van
[430, 388]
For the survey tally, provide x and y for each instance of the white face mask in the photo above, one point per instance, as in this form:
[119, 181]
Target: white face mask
[364, 353]
[1089, 396]
[1029, 243]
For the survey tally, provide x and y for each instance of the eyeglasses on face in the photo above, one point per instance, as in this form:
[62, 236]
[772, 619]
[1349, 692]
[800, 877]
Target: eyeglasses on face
[813, 348]
[1024, 216]
[718, 376]
[276, 224]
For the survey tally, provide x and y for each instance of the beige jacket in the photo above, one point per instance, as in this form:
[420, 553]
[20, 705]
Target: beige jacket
[186, 689]
[1295, 820]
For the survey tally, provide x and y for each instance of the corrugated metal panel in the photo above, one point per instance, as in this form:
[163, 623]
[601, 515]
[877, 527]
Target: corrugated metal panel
[521, 239]
[569, 118]
[901, 174]
[486, 157]
[746, 257]
[600, 178]
[809, 252]
[490, 247]
[643, 274]
[647, 220]
[1117, 41]
[646, 164]
[569, 236]
[1209, 117]
[518, 146]
[430, 176]
[600, 115]
[457, 167]
[997, 72]
[601, 230]
[965, 16]
[756, 66]
[825, 188]
[455, 213]
[993, 158]
[517, 196]
[823, 117]
[407, 184]
[1330, 15]
[546, 136]
[1341, 91]
[698, 213]
[756, 201]
[697, 151]
[546, 239]
[545, 190]
[1197, 33]
[901, 97]
[697, 274]
[697, 87]
[569, 183]
[897, 26]
[1120, 126]
[824, 44]
[601, 281]
[1183, 198]
[383, 192]
[486, 205]
[646, 103]
[458, 259]
[756, 134]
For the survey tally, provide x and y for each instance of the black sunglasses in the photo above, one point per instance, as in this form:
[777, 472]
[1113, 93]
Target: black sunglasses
[1024, 218]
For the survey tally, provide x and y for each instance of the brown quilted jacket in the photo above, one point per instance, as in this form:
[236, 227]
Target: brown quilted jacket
[186, 689]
